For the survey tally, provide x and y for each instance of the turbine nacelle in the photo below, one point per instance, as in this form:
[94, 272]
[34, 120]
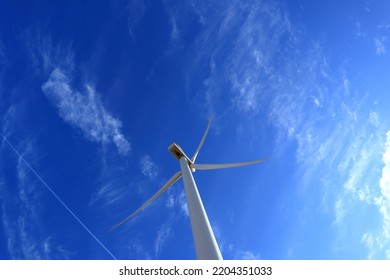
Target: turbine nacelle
[178, 152]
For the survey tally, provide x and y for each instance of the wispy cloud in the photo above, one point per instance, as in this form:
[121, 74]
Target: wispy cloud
[360, 33]
[177, 198]
[374, 118]
[369, 242]
[170, 201]
[182, 200]
[22, 199]
[136, 10]
[247, 255]
[18, 227]
[239, 254]
[339, 211]
[317, 109]
[3, 58]
[362, 189]
[26, 238]
[261, 63]
[254, 54]
[246, 40]
[384, 182]
[44, 54]
[137, 250]
[381, 242]
[85, 111]
[148, 167]
[162, 236]
[380, 48]
[173, 21]
[106, 194]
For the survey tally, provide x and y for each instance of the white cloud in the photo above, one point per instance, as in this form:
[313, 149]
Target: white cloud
[148, 167]
[162, 236]
[377, 241]
[380, 46]
[44, 54]
[170, 201]
[9, 118]
[259, 60]
[359, 32]
[385, 26]
[85, 111]
[254, 52]
[246, 39]
[22, 228]
[3, 58]
[316, 101]
[136, 10]
[384, 183]
[347, 85]
[239, 254]
[105, 193]
[374, 118]
[368, 240]
[138, 250]
[20, 219]
[339, 210]
[246, 96]
[385, 179]
[182, 200]
[247, 255]
[177, 199]
[173, 21]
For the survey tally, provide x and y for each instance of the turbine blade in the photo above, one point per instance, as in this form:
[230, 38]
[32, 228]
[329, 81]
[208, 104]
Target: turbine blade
[225, 165]
[202, 141]
[157, 194]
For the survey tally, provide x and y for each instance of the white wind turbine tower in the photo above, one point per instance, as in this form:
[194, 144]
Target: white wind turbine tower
[206, 246]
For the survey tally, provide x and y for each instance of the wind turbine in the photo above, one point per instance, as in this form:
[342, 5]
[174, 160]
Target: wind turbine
[206, 246]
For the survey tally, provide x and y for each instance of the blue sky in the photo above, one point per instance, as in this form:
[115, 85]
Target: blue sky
[92, 93]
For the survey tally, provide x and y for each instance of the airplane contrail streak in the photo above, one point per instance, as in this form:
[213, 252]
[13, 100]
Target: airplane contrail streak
[58, 198]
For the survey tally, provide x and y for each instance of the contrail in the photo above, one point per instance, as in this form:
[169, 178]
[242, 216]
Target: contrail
[57, 197]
